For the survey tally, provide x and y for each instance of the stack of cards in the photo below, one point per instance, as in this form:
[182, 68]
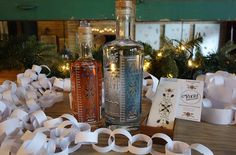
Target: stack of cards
[176, 98]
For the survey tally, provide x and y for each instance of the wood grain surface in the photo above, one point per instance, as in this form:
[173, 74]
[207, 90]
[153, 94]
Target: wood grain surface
[219, 138]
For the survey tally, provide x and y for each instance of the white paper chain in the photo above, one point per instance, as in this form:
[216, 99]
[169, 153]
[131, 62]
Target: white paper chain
[220, 102]
[20, 109]
[150, 85]
[79, 133]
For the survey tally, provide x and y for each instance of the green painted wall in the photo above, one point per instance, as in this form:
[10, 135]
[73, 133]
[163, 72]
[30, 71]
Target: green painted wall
[147, 10]
[156, 10]
[56, 9]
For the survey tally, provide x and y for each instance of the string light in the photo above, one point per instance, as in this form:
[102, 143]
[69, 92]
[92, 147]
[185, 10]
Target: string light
[146, 65]
[182, 47]
[190, 63]
[170, 75]
[113, 67]
[103, 30]
[159, 54]
[193, 64]
[65, 67]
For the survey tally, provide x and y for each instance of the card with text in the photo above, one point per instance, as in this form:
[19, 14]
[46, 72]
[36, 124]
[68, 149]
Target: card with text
[190, 100]
[176, 98]
[162, 113]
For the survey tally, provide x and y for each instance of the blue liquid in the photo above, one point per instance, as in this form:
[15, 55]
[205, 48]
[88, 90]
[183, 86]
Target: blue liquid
[123, 83]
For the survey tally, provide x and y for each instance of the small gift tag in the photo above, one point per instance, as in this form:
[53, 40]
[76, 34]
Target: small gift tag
[163, 108]
[190, 100]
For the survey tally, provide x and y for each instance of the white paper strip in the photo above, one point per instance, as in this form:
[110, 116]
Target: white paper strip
[138, 150]
[124, 132]
[111, 143]
[217, 116]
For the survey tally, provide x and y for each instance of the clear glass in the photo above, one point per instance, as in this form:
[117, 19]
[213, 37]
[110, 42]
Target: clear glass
[86, 82]
[123, 73]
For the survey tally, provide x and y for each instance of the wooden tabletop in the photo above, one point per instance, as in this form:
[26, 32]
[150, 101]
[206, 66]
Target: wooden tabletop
[221, 139]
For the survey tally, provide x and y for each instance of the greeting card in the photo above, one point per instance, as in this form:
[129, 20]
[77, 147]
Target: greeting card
[176, 98]
[163, 108]
[190, 100]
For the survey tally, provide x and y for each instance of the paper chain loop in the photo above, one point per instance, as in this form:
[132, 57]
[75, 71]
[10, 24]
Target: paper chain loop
[26, 130]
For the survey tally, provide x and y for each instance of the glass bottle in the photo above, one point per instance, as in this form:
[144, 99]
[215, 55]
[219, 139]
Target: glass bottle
[86, 80]
[123, 72]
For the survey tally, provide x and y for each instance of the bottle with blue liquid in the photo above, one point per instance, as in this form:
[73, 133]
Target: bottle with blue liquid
[123, 72]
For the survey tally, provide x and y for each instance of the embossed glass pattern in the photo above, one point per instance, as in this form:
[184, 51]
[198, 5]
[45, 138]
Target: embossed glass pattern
[123, 61]
[86, 81]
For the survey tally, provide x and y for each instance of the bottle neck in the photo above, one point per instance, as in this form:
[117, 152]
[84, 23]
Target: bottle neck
[85, 40]
[85, 50]
[124, 27]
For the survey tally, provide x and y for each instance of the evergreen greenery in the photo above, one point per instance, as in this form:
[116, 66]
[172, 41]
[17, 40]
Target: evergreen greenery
[174, 57]
[224, 59]
[21, 52]
[171, 60]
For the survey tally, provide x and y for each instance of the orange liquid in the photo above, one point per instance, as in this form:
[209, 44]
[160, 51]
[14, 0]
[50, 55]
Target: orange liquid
[86, 82]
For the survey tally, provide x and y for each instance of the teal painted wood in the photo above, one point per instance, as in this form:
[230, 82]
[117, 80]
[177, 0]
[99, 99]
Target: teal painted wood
[174, 10]
[147, 10]
[56, 9]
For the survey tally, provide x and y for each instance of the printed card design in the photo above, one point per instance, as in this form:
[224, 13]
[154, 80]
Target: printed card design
[162, 112]
[190, 101]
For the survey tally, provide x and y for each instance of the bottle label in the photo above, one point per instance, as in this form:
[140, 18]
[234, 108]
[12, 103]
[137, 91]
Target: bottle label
[112, 93]
[86, 96]
[123, 86]
[133, 87]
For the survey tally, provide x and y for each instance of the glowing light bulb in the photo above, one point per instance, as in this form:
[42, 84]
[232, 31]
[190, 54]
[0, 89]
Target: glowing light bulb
[170, 75]
[182, 47]
[67, 66]
[146, 65]
[159, 54]
[113, 67]
[63, 67]
[190, 63]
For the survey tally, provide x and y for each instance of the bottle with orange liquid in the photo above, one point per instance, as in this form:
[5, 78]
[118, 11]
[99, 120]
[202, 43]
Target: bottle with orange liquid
[86, 80]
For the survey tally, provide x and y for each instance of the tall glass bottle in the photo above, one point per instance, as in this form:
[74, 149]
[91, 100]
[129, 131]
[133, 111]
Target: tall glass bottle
[86, 80]
[123, 73]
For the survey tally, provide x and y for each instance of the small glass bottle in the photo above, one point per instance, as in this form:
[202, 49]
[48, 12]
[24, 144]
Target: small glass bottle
[86, 80]
[123, 72]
